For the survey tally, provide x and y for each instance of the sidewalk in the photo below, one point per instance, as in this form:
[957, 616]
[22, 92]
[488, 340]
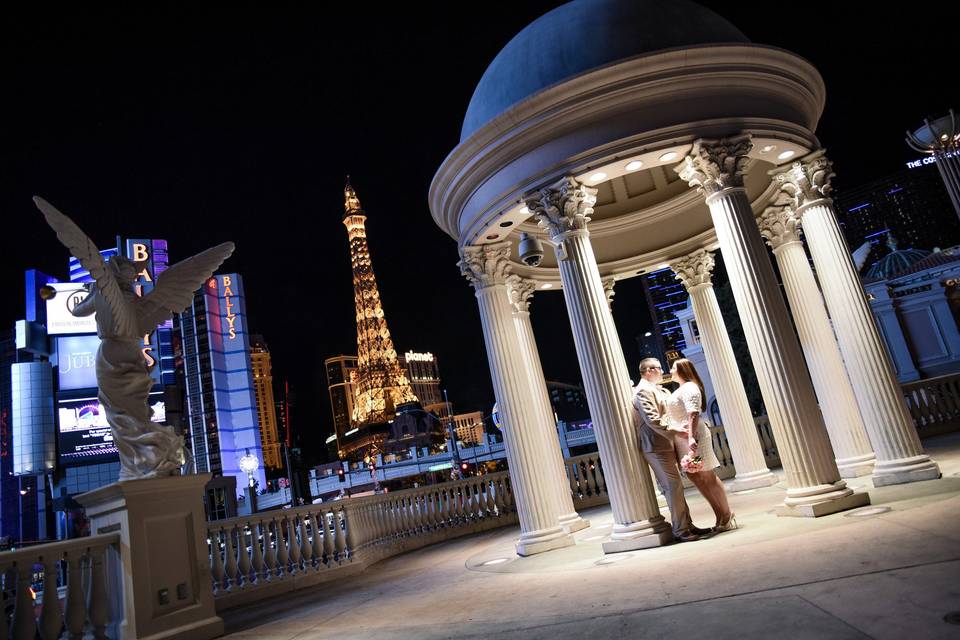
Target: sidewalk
[891, 570]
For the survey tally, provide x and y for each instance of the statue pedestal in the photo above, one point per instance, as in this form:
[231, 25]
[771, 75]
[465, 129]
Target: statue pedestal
[163, 567]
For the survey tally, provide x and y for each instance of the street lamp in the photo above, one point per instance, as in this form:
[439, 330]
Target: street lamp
[249, 464]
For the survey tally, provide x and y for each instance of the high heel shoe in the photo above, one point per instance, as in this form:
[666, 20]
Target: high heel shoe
[729, 525]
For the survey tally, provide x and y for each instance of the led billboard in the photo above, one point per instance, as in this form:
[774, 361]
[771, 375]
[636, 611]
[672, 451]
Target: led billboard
[84, 435]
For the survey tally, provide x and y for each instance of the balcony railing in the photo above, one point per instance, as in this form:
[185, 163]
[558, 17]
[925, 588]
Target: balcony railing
[934, 404]
[59, 586]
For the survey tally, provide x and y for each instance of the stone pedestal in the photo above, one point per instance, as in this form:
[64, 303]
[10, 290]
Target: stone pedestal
[164, 562]
[900, 456]
[564, 210]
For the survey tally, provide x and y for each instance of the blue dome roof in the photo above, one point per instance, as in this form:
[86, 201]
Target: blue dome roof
[585, 34]
[895, 262]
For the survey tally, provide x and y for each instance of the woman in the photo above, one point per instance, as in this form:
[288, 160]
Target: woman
[691, 435]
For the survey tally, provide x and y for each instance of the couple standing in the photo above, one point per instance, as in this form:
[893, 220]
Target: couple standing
[672, 436]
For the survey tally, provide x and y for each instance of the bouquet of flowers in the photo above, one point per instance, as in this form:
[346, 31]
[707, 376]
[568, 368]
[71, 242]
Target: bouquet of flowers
[691, 463]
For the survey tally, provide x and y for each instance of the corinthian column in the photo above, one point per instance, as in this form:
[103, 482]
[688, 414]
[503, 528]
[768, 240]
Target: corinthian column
[900, 457]
[814, 487]
[851, 448]
[487, 268]
[521, 293]
[695, 272]
[564, 210]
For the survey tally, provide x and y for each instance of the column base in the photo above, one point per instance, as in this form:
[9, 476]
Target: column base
[572, 523]
[754, 480]
[905, 470]
[856, 466]
[825, 508]
[639, 535]
[543, 540]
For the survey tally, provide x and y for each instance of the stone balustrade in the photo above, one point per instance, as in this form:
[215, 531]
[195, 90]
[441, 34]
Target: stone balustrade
[934, 404]
[73, 594]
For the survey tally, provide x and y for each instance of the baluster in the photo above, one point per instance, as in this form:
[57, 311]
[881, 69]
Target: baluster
[351, 536]
[76, 598]
[491, 503]
[98, 595]
[283, 557]
[327, 538]
[51, 618]
[601, 482]
[508, 492]
[476, 498]
[294, 545]
[306, 551]
[270, 544]
[244, 565]
[317, 537]
[216, 562]
[231, 563]
[396, 515]
[421, 515]
[569, 468]
[24, 624]
[430, 510]
[255, 530]
[591, 475]
[456, 513]
[340, 540]
[498, 497]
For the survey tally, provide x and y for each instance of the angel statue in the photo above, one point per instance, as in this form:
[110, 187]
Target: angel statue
[147, 449]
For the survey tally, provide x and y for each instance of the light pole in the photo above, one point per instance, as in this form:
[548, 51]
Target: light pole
[249, 464]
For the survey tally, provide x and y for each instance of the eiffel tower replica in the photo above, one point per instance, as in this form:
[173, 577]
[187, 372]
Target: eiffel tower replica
[381, 387]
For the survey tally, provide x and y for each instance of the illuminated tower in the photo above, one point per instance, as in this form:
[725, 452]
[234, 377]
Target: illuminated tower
[381, 385]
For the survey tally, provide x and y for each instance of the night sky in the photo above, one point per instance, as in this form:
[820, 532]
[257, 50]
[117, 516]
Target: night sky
[241, 124]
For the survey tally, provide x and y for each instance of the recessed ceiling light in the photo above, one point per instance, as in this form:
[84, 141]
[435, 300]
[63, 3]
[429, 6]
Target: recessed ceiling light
[786, 154]
[634, 165]
[525, 211]
[768, 148]
[668, 156]
[546, 285]
[598, 176]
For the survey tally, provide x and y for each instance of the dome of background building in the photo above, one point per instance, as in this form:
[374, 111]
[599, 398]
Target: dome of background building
[583, 35]
[896, 261]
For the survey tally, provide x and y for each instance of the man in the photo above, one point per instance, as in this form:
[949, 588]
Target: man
[656, 443]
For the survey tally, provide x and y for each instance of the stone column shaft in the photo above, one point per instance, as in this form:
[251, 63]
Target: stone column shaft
[738, 423]
[900, 457]
[851, 447]
[814, 484]
[486, 267]
[569, 519]
[564, 209]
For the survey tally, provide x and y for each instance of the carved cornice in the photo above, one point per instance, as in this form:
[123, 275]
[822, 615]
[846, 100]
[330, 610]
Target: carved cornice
[563, 208]
[695, 269]
[487, 265]
[716, 165]
[807, 180]
[779, 224]
[520, 290]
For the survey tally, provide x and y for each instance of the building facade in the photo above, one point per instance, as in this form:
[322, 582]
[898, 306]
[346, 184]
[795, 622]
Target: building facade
[424, 376]
[266, 405]
[665, 295]
[220, 390]
[469, 427]
[340, 387]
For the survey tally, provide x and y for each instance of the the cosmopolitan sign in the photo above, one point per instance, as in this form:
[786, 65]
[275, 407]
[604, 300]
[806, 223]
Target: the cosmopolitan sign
[916, 164]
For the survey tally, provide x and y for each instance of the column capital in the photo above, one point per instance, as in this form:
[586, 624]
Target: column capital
[714, 166]
[695, 269]
[563, 208]
[779, 223]
[485, 265]
[608, 285]
[807, 180]
[520, 290]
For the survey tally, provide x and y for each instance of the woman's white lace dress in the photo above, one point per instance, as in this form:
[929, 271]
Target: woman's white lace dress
[684, 400]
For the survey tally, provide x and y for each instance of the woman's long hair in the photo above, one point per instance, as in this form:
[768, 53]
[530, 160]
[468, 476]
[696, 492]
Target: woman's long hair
[689, 373]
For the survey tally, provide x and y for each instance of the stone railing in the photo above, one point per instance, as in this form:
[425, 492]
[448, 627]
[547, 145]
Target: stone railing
[73, 594]
[586, 480]
[934, 404]
[258, 556]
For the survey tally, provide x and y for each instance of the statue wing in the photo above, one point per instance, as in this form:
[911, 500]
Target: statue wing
[83, 249]
[175, 287]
